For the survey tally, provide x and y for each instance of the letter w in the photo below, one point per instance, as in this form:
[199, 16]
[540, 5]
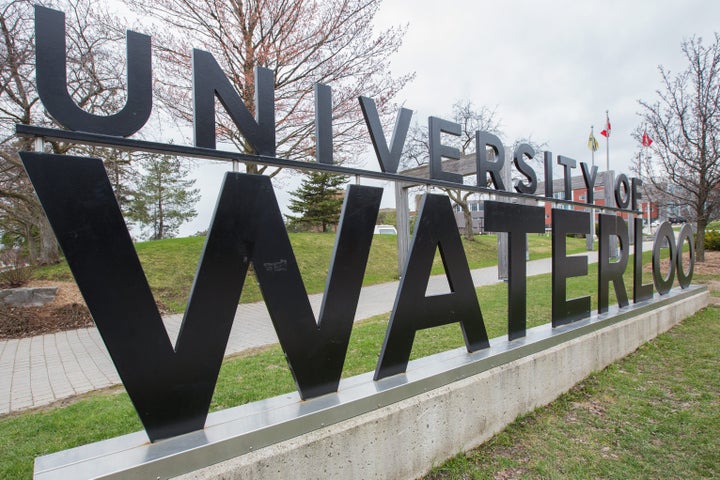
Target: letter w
[171, 388]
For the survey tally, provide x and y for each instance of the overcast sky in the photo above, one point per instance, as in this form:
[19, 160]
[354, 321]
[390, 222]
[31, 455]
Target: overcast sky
[549, 68]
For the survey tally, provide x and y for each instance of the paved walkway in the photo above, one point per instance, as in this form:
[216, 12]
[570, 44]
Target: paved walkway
[41, 370]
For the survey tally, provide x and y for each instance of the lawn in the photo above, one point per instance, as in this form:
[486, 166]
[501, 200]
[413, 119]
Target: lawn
[655, 414]
[170, 264]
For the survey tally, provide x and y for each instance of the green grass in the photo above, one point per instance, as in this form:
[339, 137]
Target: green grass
[170, 265]
[655, 414]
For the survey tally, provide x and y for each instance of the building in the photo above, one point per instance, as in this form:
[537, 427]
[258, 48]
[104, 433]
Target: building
[466, 166]
[580, 194]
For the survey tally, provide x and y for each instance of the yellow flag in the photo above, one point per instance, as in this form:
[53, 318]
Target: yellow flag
[592, 143]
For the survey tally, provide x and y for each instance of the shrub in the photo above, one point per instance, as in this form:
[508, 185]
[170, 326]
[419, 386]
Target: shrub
[15, 277]
[712, 240]
[16, 272]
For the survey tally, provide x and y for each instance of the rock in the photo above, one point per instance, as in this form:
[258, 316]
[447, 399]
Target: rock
[28, 297]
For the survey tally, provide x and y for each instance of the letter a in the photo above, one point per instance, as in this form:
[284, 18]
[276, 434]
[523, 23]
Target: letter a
[414, 311]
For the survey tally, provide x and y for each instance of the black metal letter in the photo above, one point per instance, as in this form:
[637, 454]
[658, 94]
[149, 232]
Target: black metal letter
[612, 271]
[323, 124]
[518, 221]
[664, 234]
[568, 164]
[484, 166]
[389, 158]
[518, 158]
[548, 174]
[436, 126]
[563, 267]
[210, 81]
[589, 177]
[170, 387]
[315, 350]
[640, 291]
[622, 183]
[413, 311]
[685, 235]
[51, 78]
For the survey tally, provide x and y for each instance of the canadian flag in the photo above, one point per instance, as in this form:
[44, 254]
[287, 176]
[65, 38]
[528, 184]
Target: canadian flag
[606, 133]
[646, 140]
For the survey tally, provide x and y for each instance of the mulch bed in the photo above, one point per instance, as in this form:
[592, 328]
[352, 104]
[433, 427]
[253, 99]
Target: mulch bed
[20, 322]
[66, 312]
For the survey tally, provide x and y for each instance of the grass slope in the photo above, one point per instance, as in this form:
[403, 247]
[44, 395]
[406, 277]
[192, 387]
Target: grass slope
[170, 264]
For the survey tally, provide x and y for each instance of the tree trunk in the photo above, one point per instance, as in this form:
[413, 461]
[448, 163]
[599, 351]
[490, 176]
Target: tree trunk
[462, 201]
[49, 253]
[468, 234]
[700, 239]
[32, 251]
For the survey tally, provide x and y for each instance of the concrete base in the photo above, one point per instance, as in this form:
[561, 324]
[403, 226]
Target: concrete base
[405, 439]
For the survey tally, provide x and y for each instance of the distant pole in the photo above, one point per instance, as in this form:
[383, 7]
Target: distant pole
[402, 221]
[592, 150]
[607, 143]
[503, 242]
[590, 238]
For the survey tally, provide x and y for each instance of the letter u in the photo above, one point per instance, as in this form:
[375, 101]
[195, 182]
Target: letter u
[50, 51]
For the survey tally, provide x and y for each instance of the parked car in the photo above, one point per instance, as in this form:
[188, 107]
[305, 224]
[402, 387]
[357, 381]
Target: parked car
[675, 220]
[385, 230]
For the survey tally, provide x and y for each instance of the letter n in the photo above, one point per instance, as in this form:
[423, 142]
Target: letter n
[209, 81]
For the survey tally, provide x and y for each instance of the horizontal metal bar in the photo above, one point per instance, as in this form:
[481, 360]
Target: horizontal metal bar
[130, 144]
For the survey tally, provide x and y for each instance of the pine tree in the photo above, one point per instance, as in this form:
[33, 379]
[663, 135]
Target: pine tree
[164, 199]
[318, 201]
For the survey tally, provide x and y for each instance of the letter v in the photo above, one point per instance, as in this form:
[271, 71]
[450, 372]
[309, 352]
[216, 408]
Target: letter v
[170, 388]
[389, 158]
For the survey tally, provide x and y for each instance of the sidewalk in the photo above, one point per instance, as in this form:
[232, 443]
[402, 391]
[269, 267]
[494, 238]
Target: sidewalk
[40, 370]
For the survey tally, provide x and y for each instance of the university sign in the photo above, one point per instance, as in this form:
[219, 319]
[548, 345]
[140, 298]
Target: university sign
[171, 386]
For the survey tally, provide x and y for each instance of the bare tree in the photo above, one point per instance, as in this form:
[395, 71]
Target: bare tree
[470, 119]
[20, 211]
[304, 42]
[685, 125]
[95, 73]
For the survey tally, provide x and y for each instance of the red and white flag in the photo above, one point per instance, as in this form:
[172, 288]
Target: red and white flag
[606, 133]
[646, 140]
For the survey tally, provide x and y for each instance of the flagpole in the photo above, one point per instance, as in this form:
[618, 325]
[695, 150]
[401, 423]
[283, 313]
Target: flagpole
[590, 239]
[607, 143]
[592, 150]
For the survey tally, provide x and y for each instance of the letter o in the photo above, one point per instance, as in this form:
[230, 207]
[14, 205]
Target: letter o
[685, 235]
[622, 181]
[663, 285]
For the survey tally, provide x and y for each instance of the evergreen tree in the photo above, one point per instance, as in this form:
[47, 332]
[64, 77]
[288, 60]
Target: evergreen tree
[164, 198]
[318, 201]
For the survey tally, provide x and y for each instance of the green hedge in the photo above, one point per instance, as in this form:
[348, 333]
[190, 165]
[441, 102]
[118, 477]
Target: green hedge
[712, 240]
